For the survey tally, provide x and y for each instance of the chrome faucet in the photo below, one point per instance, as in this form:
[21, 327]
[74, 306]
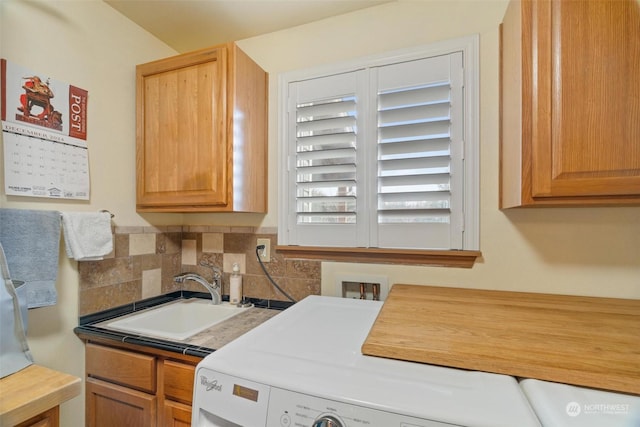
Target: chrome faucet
[213, 288]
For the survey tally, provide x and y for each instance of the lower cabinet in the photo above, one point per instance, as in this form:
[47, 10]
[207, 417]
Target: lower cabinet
[176, 414]
[127, 387]
[178, 393]
[113, 405]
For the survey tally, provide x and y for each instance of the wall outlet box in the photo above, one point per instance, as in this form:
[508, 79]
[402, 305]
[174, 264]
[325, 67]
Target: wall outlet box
[264, 254]
[349, 286]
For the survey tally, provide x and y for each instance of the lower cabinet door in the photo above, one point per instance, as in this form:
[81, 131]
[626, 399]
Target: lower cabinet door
[110, 405]
[176, 414]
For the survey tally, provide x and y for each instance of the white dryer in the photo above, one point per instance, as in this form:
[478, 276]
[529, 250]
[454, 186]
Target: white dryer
[563, 405]
[304, 368]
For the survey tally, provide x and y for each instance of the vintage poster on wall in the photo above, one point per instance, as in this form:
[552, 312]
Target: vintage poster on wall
[44, 133]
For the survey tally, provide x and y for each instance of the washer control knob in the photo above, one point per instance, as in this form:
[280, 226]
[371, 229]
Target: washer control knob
[327, 421]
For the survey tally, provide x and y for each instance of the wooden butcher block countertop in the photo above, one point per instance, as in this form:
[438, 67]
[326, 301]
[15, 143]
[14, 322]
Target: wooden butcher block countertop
[33, 390]
[586, 341]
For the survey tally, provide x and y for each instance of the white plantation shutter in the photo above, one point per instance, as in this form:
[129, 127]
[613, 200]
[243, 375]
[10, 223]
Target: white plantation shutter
[419, 159]
[324, 120]
[375, 157]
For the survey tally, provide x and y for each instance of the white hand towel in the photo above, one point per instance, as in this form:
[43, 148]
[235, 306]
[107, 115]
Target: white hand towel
[87, 235]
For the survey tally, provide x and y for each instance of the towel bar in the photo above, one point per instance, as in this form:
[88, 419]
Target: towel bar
[103, 210]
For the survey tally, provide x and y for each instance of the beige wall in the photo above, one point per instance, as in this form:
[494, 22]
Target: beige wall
[585, 251]
[88, 44]
[592, 251]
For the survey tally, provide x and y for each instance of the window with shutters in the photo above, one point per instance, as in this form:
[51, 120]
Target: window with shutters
[382, 152]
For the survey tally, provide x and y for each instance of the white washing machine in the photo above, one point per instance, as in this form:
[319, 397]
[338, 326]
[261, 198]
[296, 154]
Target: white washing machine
[563, 405]
[304, 368]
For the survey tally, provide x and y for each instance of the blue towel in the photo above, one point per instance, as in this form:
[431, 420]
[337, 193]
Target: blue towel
[31, 241]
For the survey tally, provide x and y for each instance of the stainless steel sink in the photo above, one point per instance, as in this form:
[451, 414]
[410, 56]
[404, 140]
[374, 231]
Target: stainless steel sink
[177, 320]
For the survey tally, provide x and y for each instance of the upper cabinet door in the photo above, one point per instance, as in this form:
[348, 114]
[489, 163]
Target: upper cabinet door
[182, 132]
[570, 116]
[202, 133]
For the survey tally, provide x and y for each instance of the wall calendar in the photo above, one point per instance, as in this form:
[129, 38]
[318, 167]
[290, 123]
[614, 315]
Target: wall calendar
[44, 135]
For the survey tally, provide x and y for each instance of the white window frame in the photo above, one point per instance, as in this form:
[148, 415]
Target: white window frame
[469, 46]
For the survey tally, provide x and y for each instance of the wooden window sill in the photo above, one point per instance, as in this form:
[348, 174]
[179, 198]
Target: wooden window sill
[438, 258]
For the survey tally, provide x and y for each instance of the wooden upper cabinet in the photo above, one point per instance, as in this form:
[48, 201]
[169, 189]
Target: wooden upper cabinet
[570, 103]
[201, 135]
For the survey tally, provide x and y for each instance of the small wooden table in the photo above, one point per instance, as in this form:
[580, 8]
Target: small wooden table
[33, 394]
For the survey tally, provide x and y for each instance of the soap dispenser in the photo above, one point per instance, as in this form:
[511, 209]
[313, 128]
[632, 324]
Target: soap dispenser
[235, 293]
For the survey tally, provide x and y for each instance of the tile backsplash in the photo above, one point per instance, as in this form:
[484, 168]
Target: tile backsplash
[146, 259]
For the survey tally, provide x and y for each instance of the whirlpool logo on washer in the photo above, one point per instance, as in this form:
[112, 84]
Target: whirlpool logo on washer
[210, 385]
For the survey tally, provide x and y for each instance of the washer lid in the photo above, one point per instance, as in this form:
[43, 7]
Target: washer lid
[563, 405]
[314, 346]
